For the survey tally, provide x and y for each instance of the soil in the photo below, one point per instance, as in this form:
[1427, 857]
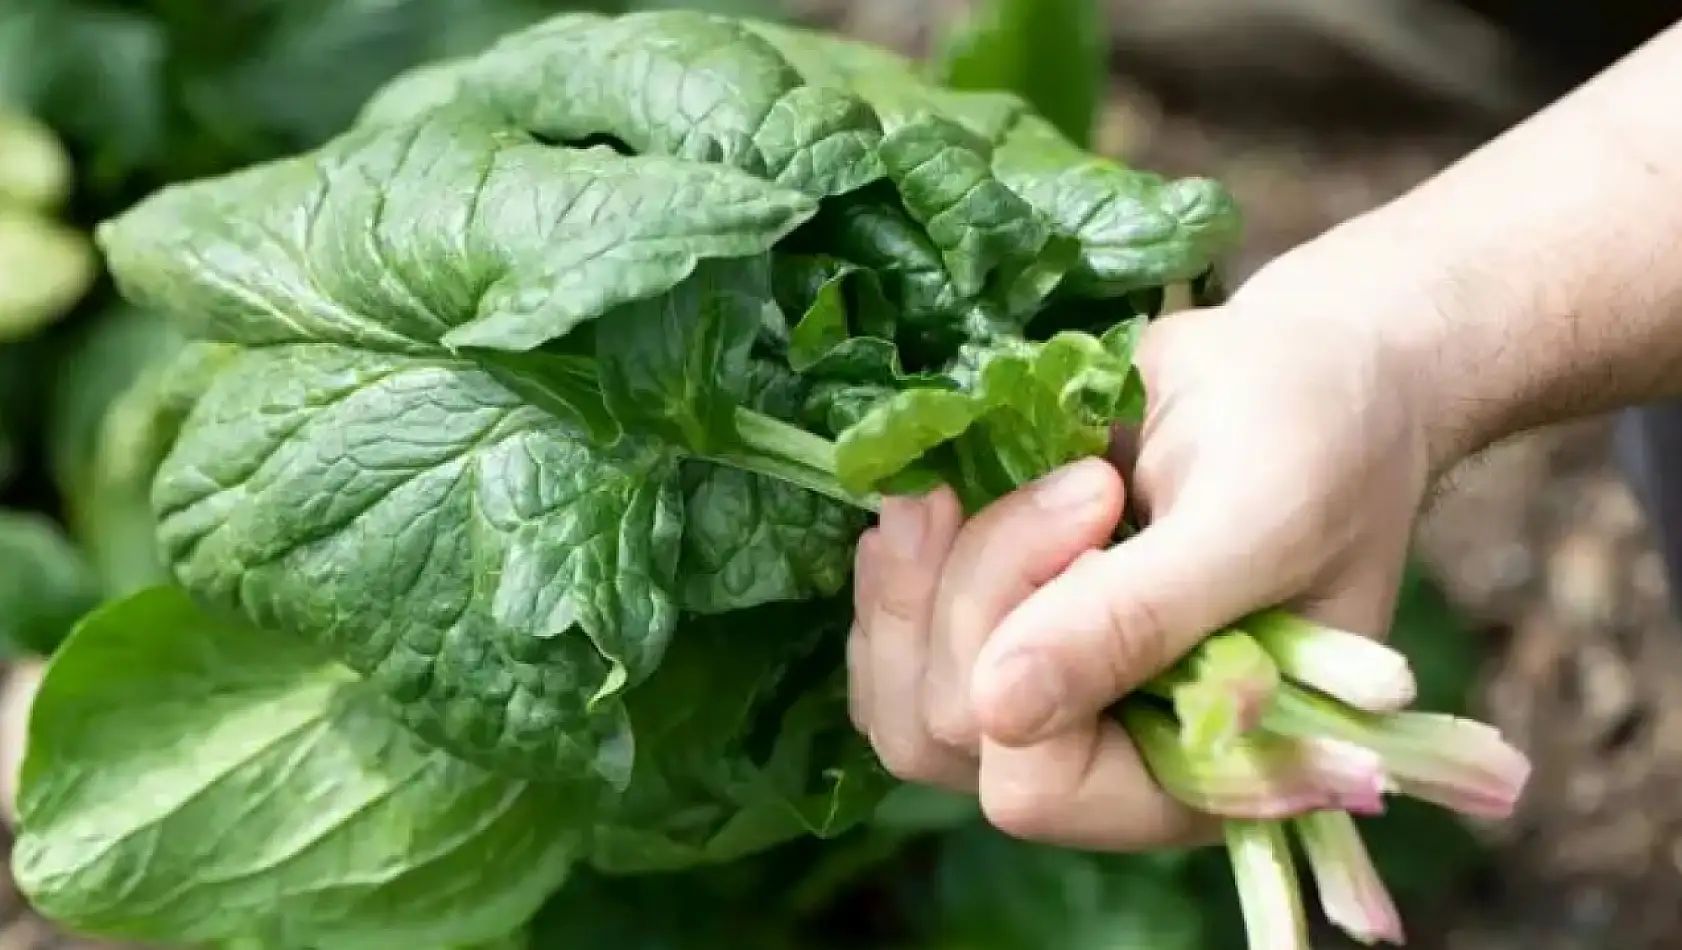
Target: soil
[1538, 539]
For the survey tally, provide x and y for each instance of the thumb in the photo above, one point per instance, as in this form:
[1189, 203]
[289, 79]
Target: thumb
[1116, 618]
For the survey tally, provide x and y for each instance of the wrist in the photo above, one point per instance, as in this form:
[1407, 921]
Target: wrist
[1367, 284]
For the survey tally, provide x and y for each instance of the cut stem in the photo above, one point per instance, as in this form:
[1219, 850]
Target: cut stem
[1460, 764]
[1219, 690]
[1257, 776]
[1268, 889]
[1360, 671]
[1352, 895]
[774, 448]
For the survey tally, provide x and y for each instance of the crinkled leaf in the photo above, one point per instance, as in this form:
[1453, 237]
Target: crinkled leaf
[692, 85]
[845, 325]
[45, 584]
[873, 230]
[995, 245]
[1023, 409]
[447, 230]
[191, 780]
[675, 366]
[750, 539]
[1136, 229]
[560, 378]
[745, 743]
[493, 573]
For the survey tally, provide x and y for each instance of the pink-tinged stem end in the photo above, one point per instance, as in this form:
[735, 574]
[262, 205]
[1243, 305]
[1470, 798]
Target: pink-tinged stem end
[1353, 777]
[1352, 895]
[1459, 764]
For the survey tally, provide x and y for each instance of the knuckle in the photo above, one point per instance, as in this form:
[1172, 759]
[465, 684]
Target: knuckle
[951, 724]
[904, 599]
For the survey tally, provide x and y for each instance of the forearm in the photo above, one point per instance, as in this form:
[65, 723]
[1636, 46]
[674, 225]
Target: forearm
[1549, 262]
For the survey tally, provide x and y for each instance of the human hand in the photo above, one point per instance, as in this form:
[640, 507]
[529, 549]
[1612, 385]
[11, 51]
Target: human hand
[1282, 462]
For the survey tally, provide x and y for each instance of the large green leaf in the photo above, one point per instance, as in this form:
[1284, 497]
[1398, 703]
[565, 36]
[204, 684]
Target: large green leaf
[743, 743]
[1052, 53]
[191, 780]
[750, 539]
[676, 366]
[465, 551]
[452, 229]
[682, 83]
[1135, 228]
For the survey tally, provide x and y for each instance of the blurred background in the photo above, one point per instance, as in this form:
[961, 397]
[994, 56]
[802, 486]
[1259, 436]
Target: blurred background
[1538, 601]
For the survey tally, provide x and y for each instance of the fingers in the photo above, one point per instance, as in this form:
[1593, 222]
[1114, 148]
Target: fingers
[1001, 557]
[900, 562]
[1114, 619]
[1086, 787]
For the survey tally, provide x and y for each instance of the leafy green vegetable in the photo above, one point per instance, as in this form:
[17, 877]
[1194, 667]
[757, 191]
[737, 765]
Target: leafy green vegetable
[463, 550]
[737, 756]
[522, 432]
[505, 370]
[286, 803]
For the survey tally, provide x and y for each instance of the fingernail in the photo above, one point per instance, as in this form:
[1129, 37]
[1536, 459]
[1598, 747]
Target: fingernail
[1072, 486]
[904, 521]
[1021, 694]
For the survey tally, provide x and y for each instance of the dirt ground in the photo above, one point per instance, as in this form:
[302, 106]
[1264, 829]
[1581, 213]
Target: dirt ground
[1538, 539]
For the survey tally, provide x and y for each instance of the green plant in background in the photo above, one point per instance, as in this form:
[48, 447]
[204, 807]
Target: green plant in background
[45, 268]
[635, 785]
[1053, 53]
[47, 264]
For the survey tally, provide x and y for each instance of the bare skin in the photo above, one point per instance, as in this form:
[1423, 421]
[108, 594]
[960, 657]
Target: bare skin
[1292, 437]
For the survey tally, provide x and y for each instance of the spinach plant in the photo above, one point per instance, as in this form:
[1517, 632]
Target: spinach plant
[508, 472]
